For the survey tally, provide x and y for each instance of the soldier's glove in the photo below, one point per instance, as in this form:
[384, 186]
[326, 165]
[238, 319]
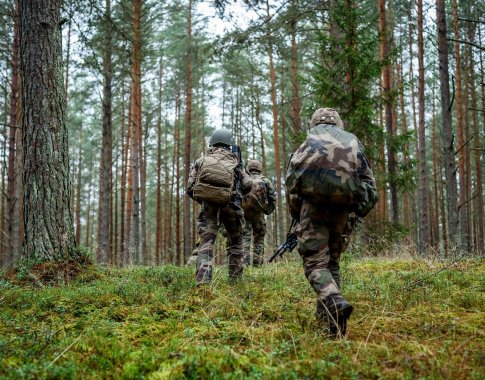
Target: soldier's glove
[364, 207]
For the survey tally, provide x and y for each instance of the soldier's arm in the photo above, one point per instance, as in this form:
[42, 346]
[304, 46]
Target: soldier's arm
[192, 177]
[369, 182]
[271, 191]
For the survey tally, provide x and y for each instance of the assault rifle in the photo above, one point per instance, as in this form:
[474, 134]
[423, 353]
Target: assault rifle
[237, 151]
[289, 244]
[240, 167]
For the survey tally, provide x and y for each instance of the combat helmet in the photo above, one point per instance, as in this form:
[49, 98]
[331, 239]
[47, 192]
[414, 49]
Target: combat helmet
[326, 116]
[254, 165]
[221, 136]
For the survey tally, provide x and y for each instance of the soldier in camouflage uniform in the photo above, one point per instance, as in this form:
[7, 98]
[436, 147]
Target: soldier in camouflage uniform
[323, 227]
[263, 202]
[212, 216]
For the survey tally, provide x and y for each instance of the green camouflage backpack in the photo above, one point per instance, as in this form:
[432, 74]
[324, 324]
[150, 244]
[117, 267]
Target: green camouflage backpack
[215, 177]
[325, 167]
[255, 198]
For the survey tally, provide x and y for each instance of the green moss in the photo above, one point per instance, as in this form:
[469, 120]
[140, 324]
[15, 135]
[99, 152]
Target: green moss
[412, 319]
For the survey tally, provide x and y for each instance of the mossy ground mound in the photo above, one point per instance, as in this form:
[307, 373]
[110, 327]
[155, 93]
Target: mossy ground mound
[53, 273]
[412, 319]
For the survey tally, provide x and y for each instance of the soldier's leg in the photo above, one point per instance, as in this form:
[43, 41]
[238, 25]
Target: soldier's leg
[313, 248]
[232, 217]
[259, 230]
[207, 228]
[247, 234]
[337, 241]
[313, 245]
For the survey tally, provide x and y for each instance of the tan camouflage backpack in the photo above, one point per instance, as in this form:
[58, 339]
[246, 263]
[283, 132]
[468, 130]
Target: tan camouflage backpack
[255, 198]
[325, 167]
[215, 177]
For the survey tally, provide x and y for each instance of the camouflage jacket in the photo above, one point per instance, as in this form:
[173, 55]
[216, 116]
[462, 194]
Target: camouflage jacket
[339, 162]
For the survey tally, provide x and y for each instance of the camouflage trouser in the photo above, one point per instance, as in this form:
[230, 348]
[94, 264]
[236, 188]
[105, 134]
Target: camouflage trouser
[208, 224]
[320, 243]
[255, 227]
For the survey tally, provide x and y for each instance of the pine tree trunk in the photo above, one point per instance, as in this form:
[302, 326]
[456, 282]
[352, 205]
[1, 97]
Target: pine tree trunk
[105, 174]
[12, 246]
[68, 57]
[88, 218]
[46, 161]
[135, 124]
[480, 245]
[167, 196]
[178, 243]
[3, 203]
[129, 184]
[436, 178]
[414, 211]
[145, 254]
[124, 163]
[18, 216]
[114, 240]
[188, 129]
[459, 131]
[404, 128]
[296, 125]
[159, 225]
[424, 239]
[79, 188]
[447, 130]
[275, 133]
[382, 204]
[386, 83]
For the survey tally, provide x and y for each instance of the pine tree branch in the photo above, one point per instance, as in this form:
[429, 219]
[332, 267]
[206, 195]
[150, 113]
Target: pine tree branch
[467, 43]
[471, 20]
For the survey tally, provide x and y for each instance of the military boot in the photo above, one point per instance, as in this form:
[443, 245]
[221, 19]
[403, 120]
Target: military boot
[337, 310]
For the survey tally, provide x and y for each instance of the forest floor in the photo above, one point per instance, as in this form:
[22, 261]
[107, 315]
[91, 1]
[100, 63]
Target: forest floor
[412, 319]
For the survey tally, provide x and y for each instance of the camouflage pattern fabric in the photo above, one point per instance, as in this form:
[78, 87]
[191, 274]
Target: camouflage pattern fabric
[209, 222]
[325, 167]
[258, 195]
[320, 244]
[254, 228]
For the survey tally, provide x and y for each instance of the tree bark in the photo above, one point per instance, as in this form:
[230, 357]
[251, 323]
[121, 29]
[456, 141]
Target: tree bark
[386, 83]
[480, 245]
[463, 217]
[424, 238]
[436, 178]
[3, 203]
[46, 161]
[295, 104]
[135, 124]
[275, 132]
[447, 130]
[106, 163]
[404, 128]
[12, 246]
[159, 225]
[414, 221]
[188, 135]
[145, 255]
[179, 252]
